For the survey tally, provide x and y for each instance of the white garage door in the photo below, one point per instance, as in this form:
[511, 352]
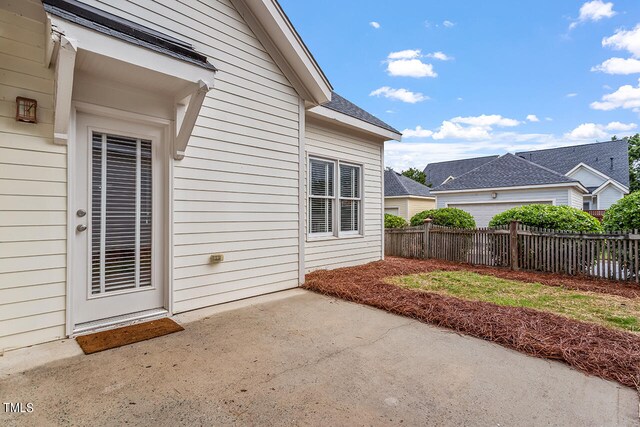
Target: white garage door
[483, 212]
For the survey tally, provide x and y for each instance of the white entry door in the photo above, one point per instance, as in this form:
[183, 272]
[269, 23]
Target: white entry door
[118, 219]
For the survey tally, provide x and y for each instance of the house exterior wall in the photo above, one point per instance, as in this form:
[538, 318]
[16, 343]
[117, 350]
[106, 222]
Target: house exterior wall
[482, 201]
[608, 197]
[587, 178]
[33, 191]
[323, 139]
[417, 205]
[576, 199]
[401, 203]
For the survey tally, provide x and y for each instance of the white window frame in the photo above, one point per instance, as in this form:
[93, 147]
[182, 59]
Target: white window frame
[336, 198]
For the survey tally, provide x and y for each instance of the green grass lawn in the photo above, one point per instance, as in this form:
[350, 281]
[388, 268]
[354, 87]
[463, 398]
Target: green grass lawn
[607, 310]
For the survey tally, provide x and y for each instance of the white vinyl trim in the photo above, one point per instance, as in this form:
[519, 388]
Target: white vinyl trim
[611, 182]
[522, 187]
[488, 202]
[302, 217]
[410, 197]
[333, 116]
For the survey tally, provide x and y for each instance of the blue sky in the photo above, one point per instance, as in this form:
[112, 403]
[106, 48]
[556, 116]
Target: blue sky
[467, 78]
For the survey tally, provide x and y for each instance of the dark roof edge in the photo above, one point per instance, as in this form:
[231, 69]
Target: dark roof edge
[99, 20]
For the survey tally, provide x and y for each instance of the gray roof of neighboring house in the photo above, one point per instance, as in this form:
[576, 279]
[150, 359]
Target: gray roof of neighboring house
[597, 155]
[437, 173]
[344, 106]
[123, 29]
[506, 171]
[396, 184]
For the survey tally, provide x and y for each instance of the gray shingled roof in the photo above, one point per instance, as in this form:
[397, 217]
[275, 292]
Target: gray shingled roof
[344, 106]
[437, 173]
[396, 184]
[505, 171]
[597, 155]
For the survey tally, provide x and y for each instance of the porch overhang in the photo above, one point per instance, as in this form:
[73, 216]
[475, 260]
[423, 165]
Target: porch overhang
[110, 47]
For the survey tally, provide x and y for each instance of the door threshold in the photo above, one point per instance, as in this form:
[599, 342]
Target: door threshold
[118, 321]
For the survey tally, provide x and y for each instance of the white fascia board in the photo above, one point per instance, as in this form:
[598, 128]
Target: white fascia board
[410, 197]
[613, 182]
[589, 168]
[267, 19]
[332, 116]
[111, 47]
[64, 68]
[523, 187]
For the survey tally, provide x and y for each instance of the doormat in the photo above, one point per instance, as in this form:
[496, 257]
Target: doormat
[113, 338]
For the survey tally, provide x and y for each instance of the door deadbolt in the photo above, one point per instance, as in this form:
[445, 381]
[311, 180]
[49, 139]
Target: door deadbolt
[81, 213]
[81, 227]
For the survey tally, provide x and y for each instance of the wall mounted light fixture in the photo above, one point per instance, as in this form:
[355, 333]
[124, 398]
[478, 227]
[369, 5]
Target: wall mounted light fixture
[26, 110]
[494, 195]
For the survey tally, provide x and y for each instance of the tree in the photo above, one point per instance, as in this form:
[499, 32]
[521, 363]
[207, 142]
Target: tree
[634, 162]
[416, 175]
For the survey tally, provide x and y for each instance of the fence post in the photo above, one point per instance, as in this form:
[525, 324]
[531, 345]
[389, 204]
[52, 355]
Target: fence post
[513, 244]
[425, 243]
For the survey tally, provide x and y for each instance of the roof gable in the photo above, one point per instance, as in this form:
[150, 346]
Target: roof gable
[396, 184]
[609, 158]
[506, 171]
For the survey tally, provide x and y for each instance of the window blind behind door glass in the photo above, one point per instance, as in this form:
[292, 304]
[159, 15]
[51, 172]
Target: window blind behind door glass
[121, 213]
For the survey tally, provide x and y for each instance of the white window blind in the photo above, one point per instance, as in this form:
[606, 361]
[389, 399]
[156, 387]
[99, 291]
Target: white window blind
[321, 196]
[121, 219]
[350, 199]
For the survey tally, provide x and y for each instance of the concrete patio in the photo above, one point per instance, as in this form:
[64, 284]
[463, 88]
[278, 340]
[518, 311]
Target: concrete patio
[298, 358]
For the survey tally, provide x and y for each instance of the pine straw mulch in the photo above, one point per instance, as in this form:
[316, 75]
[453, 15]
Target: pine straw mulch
[590, 348]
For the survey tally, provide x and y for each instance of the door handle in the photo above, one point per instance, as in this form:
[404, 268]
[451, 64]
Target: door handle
[81, 227]
[81, 213]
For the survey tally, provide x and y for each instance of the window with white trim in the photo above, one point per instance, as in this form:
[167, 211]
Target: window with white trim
[334, 211]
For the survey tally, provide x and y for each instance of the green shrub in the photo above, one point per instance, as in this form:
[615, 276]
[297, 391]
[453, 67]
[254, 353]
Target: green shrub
[624, 214]
[564, 218]
[394, 221]
[446, 217]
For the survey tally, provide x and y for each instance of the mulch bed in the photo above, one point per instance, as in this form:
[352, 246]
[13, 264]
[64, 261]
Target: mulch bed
[590, 348]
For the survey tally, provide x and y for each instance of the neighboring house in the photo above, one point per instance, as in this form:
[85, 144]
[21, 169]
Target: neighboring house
[168, 132]
[589, 177]
[405, 197]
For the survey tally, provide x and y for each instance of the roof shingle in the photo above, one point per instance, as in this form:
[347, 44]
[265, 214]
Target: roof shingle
[506, 171]
[437, 173]
[396, 185]
[344, 106]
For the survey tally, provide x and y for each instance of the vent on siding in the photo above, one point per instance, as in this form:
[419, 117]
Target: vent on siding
[121, 223]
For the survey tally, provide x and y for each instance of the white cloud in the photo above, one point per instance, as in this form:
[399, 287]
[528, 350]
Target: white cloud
[403, 95]
[571, 95]
[627, 97]
[460, 98]
[594, 10]
[375, 24]
[533, 118]
[448, 23]
[440, 56]
[485, 121]
[452, 130]
[593, 131]
[549, 119]
[625, 40]
[410, 68]
[418, 132]
[405, 54]
[619, 66]
[621, 127]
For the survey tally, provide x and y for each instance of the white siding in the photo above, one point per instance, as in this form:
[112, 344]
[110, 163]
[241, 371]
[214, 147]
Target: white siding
[236, 191]
[608, 197]
[505, 199]
[325, 140]
[32, 194]
[587, 178]
[576, 198]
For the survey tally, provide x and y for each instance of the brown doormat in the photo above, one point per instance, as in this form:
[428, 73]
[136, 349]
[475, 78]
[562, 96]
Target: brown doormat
[100, 341]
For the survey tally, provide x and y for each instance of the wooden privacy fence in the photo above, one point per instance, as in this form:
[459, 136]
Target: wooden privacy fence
[609, 255]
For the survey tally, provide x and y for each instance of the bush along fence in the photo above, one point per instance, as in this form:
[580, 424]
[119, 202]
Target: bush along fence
[607, 255]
